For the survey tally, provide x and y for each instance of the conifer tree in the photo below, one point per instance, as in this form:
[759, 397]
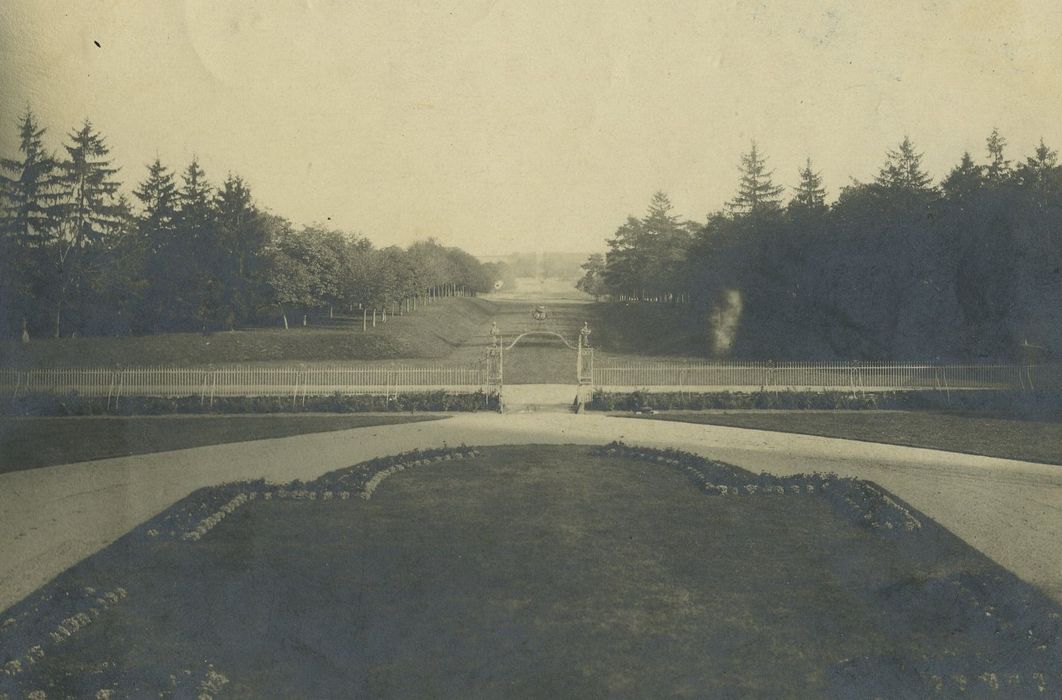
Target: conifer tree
[998, 168]
[90, 213]
[810, 195]
[30, 186]
[756, 192]
[158, 199]
[29, 195]
[1040, 172]
[903, 171]
[964, 180]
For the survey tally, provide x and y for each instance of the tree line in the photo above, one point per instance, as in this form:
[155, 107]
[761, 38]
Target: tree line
[77, 256]
[898, 268]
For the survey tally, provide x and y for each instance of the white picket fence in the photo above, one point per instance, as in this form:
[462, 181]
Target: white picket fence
[173, 382]
[815, 376]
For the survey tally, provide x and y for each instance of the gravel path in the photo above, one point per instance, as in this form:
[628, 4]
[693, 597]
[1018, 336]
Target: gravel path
[55, 516]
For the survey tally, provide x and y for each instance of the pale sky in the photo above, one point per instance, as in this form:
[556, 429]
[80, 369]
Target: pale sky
[501, 126]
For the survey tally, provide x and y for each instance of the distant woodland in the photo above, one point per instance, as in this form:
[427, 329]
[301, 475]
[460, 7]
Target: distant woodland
[900, 268]
[77, 256]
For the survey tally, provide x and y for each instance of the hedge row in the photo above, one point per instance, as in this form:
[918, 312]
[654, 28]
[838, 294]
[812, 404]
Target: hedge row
[1027, 403]
[75, 405]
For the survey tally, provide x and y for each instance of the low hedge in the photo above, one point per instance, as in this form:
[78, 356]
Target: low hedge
[1045, 404]
[75, 405]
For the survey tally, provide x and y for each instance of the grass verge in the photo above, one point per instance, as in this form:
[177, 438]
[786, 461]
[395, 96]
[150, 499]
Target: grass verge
[1027, 440]
[532, 572]
[29, 443]
[433, 331]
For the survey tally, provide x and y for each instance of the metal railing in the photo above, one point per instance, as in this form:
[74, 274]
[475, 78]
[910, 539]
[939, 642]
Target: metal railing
[816, 376]
[173, 382]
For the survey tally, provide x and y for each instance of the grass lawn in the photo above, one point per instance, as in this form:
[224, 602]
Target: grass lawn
[432, 332]
[538, 572]
[995, 437]
[27, 443]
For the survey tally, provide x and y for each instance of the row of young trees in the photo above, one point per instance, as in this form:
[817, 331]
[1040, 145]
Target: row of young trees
[898, 268]
[79, 257]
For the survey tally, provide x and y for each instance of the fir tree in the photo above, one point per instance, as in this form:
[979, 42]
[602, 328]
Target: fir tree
[998, 168]
[90, 213]
[964, 180]
[756, 192]
[1040, 175]
[903, 172]
[30, 187]
[810, 195]
[158, 199]
[195, 212]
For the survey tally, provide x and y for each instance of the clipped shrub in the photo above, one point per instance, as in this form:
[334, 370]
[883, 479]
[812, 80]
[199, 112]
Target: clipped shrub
[1021, 404]
[75, 405]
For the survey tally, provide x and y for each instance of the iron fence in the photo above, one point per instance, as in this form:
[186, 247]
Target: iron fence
[815, 376]
[174, 382]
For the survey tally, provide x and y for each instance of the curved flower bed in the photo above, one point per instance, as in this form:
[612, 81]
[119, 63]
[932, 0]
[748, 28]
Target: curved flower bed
[370, 486]
[364, 478]
[191, 520]
[208, 523]
[80, 610]
[859, 500]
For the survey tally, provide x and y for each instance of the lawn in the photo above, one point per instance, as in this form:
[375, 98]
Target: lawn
[432, 332]
[1035, 441]
[27, 443]
[531, 572]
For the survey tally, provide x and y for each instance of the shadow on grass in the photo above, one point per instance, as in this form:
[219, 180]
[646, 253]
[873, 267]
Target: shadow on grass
[536, 571]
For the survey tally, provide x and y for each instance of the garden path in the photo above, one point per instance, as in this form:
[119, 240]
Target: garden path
[53, 517]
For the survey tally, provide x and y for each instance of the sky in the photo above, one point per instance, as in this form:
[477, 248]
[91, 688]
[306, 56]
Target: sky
[518, 126]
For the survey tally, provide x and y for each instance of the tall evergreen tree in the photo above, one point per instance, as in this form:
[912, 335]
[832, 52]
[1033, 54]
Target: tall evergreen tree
[964, 180]
[658, 218]
[29, 195]
[30, 186]
[1040, 172]
[90, 212]
[195, 212]
[757, 193]
[903, 171]
[160, 257]
[998, 169]
[199, 290]
[242, 237]
[158, 200]
[810, 195]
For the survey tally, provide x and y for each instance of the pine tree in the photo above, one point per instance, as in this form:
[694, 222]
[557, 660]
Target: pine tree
[195, 212]
[29, 195]
[658, 218]
[964, 180]
[998, 168]
[90, 213]
[91, 209]
[810, 195]
[903, 172]
[239, 234]
[158, 199]
[756, 193]
[200, 295]
[1040, 174]
[30, 187]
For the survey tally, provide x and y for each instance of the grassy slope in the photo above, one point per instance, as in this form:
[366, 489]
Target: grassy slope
[433, 331]
[536, 571]
[28, 443]
[994, 437]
